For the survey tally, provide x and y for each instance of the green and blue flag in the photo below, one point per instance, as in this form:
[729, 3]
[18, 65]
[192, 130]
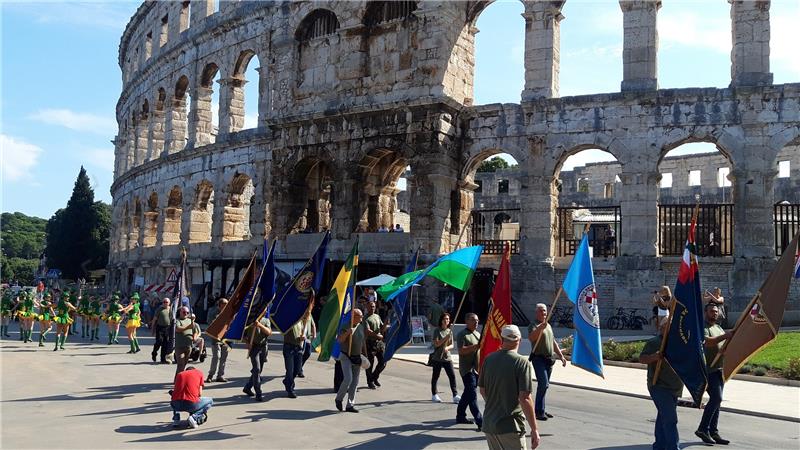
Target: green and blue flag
[399, 333]
[455, 269]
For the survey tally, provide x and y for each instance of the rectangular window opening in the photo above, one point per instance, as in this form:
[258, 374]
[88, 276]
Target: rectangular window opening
[502, 187]
[694, 178]
[608, 190]
[185, 16]
[162, 39]
[722, 177]
[784, 169]
[148, 45]
[666, 180]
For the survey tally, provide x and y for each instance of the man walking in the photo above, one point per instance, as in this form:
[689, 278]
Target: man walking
[186, 396]
[293, 342]
[468, 341]
[159, 326]
[506, 383]
[256, 337]
[664, 393]
[219, 348]
[184, 332]
[714, 337]
[543, 346]
[351, 339]
[375, 345]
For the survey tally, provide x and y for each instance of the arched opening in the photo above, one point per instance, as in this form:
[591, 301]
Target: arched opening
[151, 221]
[695, 173]
[136, 222]
[591, 43]
[158, 127]
[236, 217]
[311, 197]
[381, 171]
[499, 42]
[247, 92]
[786, 195]
[171, 235]
[202, 213]
[142, 133]
[315, 36]
[586, 187]
[122, 233]
[207, 106]
[489, 199]
[178, 118]
[380, 12]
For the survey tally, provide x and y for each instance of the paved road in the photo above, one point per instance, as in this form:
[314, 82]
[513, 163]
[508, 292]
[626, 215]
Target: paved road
[94, 396]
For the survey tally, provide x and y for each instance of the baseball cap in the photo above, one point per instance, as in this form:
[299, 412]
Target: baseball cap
[511, 333]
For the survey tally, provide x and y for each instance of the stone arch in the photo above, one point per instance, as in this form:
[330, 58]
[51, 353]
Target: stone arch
[202, 213]
[150, 232]
[316, 36]
[136, 223]
[203, 119]
[171, 234]
[161, 99]
[476, 157]
[177, 120]
[310, 196]
[236, 216]
[318, 23]
[244, 92]
[379, 172]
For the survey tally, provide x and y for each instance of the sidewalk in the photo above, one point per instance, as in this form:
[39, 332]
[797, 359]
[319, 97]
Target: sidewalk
[745, 397]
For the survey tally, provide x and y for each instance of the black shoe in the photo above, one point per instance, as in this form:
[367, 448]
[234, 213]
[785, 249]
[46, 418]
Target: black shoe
[259, 398]
[705, 437]
[164, 361]
[339, 405]
[351, 409]
[542, 417]
[222, 379]
[248, 392]
[371, 386]
[209, 380]
[154, 356]
[291, 394]
[300, 375]
[376, 383]
[465, 421]
[549, 416]
[718, 439]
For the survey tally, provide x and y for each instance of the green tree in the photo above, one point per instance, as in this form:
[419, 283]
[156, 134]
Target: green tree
[77, 236]
[22, 239]
[493, 164]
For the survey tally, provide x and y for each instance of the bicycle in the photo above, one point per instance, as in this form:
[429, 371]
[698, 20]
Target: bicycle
[563, 317]
[630, 320]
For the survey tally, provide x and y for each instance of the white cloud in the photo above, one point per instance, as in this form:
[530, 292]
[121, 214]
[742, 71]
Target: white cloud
[685, 27]
[18, 158]
[783, 42]
[102, 158]
[91, 123]
[95, 14]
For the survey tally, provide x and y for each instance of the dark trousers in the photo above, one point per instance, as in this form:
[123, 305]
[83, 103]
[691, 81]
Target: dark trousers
[293, 361]
[162, 341]
[666, 429]
[375, 353]
[306, 355]
[338, 376]
[448, 369]
[543, 367]
[258, 356]
[469, 398]
[710, 418]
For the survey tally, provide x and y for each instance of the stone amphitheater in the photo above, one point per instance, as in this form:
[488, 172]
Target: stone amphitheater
[351, 93]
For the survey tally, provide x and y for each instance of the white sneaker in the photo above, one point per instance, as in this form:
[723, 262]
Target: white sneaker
[456, 398]
[192, 422]
[436, 398]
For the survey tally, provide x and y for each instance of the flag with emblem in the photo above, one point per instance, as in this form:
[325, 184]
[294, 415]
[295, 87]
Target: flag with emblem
[219, 327]
[499, 314]
[759, 323]
[579, 287]
[684, 346]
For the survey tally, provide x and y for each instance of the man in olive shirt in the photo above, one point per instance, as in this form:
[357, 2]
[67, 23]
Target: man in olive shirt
[219, 349]
[256, 338]
[714, 337]
[664, 393]
[542, 349]
[506, 383]
[184, 331]
[352, 342]
[159, 326]
[468, 341]
[293, 341]
[375, 346]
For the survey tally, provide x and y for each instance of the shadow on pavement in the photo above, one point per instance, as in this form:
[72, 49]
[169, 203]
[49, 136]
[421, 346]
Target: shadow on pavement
[629, 447]
[287, 414]
[419, 439]
[105, 393]
[178, 435]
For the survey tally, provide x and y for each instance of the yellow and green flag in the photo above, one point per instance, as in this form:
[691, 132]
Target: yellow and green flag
[343, 290]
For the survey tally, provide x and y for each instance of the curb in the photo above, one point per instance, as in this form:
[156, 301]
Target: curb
[681, 402]
[740, 377]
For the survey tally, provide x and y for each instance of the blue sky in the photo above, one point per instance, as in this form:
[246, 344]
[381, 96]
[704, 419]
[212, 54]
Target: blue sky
[60, 78]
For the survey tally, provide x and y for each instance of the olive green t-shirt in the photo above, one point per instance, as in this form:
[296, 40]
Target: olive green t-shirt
[183, 338]
[468, 362]
[374, 324]
[294, 335]
[711, 352]
[505, 374]
[162, 317]
[440, 353]
[357, 339]
[261, 337]
[545, 345]
[667, 378]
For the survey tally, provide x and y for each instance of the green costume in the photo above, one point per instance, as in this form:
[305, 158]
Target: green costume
[45, 315]
[83, 310]
[6, 307]
[134, 321]
[62, 318]
[26, 311]
[95, 312]
[112, 318]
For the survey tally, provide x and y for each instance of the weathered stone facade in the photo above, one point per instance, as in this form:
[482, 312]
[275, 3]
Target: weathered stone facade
[351, 93]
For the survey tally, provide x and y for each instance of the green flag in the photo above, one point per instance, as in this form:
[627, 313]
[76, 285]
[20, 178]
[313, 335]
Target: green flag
[343, 287]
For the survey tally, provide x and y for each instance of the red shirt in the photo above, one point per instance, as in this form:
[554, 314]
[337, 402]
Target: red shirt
[187, 386]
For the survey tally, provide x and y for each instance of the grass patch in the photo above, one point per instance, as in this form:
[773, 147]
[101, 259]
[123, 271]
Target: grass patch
[776, 355]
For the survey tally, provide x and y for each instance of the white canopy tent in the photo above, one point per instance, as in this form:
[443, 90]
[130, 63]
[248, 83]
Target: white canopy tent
[380, 280]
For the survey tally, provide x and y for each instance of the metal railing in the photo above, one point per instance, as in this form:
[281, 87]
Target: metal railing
[479, 227]
[605, 229]
[786, 217]
[713, 234]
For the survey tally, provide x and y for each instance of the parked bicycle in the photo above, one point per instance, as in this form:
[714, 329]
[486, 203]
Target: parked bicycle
[630, 320]
[563, 316]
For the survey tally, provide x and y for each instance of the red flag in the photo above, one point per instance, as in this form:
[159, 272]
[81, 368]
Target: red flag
[499, 310]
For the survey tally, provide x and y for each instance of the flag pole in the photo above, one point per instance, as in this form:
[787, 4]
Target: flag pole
[464, 296]
[663, 345]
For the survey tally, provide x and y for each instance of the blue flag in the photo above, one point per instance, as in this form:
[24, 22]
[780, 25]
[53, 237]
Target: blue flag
[253, 305]
[347, 309]
[399, 333]
[587, 348]
[684, 349]
[292, 301]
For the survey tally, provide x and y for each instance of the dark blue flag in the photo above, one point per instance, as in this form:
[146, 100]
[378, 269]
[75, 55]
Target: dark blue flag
[255, 302]
[684, 349]
[292, 301]
[399, 334]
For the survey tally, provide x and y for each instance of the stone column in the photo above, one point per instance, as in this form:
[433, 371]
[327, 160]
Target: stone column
[200, 126]
[231, 106]
[175, 126]
[750, 52]
[753, 232]
[119, 156]
[200, 10]
[217, 217]
[430, 208]
[130, 148]
[141, 140]
[264, 99]
[638, 194]
[640, 50]
[186, 219]
[542, 48]
[155, 144]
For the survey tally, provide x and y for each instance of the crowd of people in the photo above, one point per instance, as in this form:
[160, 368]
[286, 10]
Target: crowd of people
[505, 381]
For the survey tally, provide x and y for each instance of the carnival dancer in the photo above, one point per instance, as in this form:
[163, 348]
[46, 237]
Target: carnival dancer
[112, 318]
[62, 318]
[134, 312]
[26, 314]
[45, 317]
[7, 308]
[84, 312]
[74, 313]
[95, 312]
